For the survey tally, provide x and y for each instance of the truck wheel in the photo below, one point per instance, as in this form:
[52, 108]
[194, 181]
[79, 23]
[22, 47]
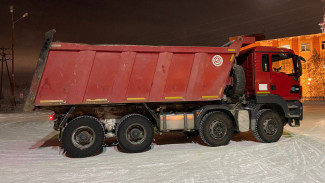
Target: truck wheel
[83, 137]
[268, 126]
[239, 82]
[191, 133]
[216, 129]
[134, 133]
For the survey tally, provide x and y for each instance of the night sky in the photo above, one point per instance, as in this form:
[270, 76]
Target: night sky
[152, 22]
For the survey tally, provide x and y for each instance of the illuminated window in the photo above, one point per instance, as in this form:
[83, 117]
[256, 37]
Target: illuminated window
[305, 46]
[323, 45]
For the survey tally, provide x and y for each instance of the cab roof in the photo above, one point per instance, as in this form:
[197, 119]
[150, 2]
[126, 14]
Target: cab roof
[265, 49]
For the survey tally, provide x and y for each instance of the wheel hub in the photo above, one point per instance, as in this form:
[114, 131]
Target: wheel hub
[83, 137]
[270, 127]
[217, 129]
[135, 133]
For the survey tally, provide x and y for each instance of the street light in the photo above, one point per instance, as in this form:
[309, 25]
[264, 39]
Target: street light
[12, 53]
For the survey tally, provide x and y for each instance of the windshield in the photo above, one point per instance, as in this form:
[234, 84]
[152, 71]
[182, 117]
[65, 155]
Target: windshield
[284, 63]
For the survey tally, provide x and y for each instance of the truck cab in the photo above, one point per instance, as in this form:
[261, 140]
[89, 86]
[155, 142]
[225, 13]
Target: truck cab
[273, 80]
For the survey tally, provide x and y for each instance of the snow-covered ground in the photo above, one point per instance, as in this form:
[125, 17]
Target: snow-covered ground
[30, 152]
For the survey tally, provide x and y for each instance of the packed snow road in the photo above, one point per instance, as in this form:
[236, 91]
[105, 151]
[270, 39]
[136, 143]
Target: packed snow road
[30, 152]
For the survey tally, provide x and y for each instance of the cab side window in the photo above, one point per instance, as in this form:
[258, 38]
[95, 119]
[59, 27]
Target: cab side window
[283, 63]
[265, 63]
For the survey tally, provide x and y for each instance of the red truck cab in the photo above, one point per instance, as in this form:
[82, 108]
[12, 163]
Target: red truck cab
[275, 71]
[273, 78]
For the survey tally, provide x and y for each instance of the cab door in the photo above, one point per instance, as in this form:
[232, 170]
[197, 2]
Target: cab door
[284, 81]
[262, 73]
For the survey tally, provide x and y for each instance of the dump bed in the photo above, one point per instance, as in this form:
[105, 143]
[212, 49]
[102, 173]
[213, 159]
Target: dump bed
[70, 73]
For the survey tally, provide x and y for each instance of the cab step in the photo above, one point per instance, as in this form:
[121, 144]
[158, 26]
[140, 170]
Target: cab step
[294, 122]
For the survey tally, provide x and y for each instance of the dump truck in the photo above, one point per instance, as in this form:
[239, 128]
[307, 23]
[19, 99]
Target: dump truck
[131, 92]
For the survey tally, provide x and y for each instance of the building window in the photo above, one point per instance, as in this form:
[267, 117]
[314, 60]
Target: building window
[323, 45]
[305, 46]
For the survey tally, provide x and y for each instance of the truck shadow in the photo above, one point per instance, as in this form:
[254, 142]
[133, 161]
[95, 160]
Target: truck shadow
[244, 136]
[51, 140]
[181, 138]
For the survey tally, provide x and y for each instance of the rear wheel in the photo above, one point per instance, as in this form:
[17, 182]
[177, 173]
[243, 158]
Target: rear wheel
[268, 126]
[83, 137]
[216, 129]
[135, 133]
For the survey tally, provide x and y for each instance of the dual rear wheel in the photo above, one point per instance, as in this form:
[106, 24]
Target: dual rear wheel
[84, 136]
[134, 133]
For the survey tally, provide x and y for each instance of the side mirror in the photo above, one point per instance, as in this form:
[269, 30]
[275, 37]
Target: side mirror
[299, 58]
[302, 58]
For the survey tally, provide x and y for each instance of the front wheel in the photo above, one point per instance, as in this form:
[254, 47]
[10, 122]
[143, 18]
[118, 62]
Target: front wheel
[216, 129]
[268, 126]
[83, 137]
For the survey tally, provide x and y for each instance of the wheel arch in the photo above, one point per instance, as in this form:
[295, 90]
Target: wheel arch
[275, 107]
[275, 102]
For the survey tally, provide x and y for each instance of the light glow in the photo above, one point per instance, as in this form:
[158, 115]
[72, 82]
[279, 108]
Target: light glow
[51, 117]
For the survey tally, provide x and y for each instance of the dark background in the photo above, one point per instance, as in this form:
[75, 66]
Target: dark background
[148, 22]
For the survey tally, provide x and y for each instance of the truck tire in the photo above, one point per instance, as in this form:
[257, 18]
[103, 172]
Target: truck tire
[239, 82]
[83, 137]
[216, 129]
[268, 126]
[134, 133]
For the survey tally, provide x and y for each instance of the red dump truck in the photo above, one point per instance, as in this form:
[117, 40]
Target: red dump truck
[132, 92]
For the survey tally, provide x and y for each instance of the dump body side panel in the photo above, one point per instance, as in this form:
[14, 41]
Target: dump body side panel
[93, 74]
[102, 77]
[142, 76]
[65, 77]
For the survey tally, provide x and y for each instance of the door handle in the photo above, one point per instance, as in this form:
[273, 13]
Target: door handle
[273, 87]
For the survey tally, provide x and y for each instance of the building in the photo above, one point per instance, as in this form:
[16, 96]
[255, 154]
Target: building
[312, 48]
